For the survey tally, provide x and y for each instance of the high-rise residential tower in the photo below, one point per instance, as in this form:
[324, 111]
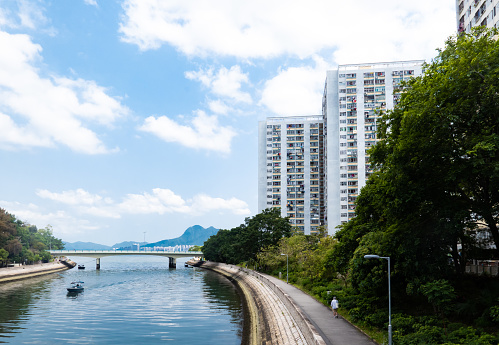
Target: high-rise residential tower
[471, 13]
[313, 167]
[291, 169]
[354, 96]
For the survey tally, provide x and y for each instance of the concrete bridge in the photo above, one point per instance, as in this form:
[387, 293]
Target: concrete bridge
[97, 254]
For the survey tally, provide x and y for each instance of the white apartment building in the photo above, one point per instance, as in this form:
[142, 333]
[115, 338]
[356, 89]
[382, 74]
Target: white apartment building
[291, 169]
[471, 13]
[313, 167]
[353, 97]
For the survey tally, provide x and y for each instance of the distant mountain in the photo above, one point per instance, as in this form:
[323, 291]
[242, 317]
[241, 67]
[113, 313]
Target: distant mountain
[84, 246]
[195, 235]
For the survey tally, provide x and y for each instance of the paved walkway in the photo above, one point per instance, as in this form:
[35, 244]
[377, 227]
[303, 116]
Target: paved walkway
[333, 331]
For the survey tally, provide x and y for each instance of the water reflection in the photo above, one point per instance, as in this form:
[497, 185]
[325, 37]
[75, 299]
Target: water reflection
[16, 301]
[130, 301]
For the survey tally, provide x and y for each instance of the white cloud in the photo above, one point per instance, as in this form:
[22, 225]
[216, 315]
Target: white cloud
[204, 132]
[48, 111]
[159, 201]
[30, 14]
[359, 31]
[165, 201]
[62, 222]
[225, 83]
[219, 107]
[203, 203]
[296, 90]
[72, 197]
[91, 2]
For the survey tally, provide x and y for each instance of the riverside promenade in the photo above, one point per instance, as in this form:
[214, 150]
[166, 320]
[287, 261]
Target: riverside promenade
[8, 274]
[280, 314]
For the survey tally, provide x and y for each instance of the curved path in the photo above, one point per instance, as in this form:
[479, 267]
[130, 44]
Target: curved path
[284, 315]
[333, 331]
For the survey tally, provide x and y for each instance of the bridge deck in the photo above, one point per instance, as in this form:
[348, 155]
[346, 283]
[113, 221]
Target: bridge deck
[104, 253]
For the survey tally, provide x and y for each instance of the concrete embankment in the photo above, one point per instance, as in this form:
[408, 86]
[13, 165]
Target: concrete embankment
[8, 274]
[271, 317]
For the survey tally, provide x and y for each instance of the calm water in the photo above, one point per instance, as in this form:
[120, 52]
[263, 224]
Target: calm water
[131, 300]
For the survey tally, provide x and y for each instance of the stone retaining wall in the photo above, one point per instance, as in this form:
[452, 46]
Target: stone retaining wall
[279, 320]
[8, 274]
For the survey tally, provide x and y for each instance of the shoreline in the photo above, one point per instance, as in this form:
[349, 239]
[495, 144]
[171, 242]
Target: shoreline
[9, 274]
[273, 318]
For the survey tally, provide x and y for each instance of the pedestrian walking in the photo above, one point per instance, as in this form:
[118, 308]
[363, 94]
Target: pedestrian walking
[335, 305]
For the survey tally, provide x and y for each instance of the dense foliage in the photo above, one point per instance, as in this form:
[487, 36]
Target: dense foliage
[431, 205]
[432, 200]
[20, 242]
[243, 243]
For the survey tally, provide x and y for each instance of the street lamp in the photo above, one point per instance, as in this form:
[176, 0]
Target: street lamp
[389, 295]
[287, 267]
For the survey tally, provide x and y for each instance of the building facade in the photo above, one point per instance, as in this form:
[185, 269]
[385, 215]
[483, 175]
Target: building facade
[354, 98]
[471, 13]
[291, 169]
[313, 167]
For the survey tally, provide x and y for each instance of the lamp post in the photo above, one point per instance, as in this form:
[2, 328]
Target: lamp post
[389, 295]
[287, 267]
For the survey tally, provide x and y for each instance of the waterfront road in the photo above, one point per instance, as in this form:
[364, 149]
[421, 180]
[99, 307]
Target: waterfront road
[334, 331]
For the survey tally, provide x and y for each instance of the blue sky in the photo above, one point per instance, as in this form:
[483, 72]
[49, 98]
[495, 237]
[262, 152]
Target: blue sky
[124, 117]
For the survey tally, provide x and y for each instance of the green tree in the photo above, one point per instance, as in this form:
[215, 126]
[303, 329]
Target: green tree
[243, 243]
[3, 256]
[436, 178]
[441, 143]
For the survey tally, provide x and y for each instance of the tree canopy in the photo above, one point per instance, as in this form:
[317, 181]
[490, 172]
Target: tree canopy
[244, 242]
[435, 184]
[20, 242]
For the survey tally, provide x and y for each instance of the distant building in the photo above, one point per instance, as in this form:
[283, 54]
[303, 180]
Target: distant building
[471, 13]
[313, 167]
[291, 169]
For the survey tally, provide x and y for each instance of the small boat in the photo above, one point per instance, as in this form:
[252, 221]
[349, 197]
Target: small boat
[81, 267]
[76, 287]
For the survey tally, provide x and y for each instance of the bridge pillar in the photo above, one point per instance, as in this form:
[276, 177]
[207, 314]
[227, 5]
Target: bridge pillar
[173, 262]
[97, 264]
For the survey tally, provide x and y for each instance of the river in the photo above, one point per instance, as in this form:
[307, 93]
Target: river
[131, 300]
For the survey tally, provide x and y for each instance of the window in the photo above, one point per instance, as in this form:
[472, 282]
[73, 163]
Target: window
[368, 82]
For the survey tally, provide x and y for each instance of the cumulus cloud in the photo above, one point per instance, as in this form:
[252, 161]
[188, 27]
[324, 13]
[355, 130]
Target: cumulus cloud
[91, 2]
[225, 83]
[296, 90]
[159, 201]
[364, 30]
[203, 132]
[219, 107]
[73, 197]
[63, 222]
[49, 111]
[203, 203]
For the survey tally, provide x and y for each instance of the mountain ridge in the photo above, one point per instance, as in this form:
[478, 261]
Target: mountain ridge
[193, 235]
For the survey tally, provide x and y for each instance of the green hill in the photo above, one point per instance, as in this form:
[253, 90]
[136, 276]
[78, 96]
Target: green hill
[195, 235]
